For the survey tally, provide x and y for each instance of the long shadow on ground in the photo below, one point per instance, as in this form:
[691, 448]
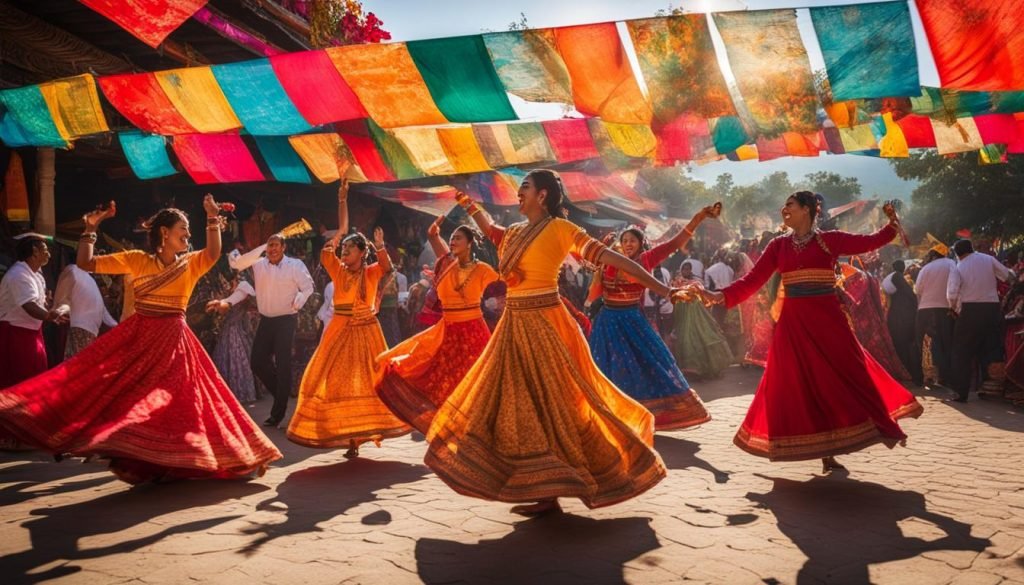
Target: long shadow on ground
[844, 525]
[55, 532]
[559, 549]
[682, 454]
[317, 494]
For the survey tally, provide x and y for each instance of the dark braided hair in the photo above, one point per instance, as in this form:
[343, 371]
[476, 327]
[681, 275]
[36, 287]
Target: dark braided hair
[551, 182]
[165, 218]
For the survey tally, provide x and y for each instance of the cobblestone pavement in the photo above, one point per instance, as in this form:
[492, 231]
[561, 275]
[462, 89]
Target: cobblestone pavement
[948, 508]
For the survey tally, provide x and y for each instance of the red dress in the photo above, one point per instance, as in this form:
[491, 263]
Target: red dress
[821, 394]
[146, 394]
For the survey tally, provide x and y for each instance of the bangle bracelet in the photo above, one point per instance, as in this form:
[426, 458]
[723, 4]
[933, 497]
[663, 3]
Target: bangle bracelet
[88, 237]
[381, 248]
[689, 231]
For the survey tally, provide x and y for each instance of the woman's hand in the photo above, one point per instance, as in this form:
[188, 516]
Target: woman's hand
[343, 190]
[889, 209]
[712, 211]
[93, 218]
[378, 238]
[435, 228]
[211, 207]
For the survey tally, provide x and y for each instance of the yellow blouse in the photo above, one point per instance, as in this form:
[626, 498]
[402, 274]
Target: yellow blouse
[543, 258]
[355, 293]
[159, 289]
[460, 291]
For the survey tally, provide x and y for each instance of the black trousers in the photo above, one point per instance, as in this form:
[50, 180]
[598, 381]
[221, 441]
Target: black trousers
[973, 335]
[938, 325]
[274, 338]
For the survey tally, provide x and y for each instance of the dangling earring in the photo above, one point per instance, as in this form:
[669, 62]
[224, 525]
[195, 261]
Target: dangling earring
[160, 248]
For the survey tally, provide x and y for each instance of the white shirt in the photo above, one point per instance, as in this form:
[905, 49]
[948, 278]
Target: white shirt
[21, 285]
[651, 299]
[326, 312]
[720, 273]
[974, 280]
[697, 267]
[78, 291]
[932, 282]
[281, 289]
[888, 286]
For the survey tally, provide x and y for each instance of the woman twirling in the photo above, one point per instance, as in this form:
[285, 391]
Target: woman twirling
[534, 419]
[821, 394]
[337, 403]
[625, 346]
[146, 394]
[422, 371]
[699, 346]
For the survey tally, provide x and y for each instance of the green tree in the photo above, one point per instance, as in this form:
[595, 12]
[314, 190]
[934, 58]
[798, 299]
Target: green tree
[837, 189]
[957, 192]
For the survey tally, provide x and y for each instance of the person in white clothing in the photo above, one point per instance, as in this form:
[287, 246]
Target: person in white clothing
[326, 312]
[78, 293]
[282, 285]
[23, 312]
[972, 291]
[934, 317]
[659, 310]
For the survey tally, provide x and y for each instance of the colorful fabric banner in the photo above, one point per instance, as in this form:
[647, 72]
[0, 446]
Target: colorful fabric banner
[680, 68]
[728, 134]
[506, 145]
[433, 201]
[894, 143]
[150, 21]
[219, 158]
[198, 98]
[316, 88]
[602, 79]
[463, 152]
[997, 128]
[1017, 146]
[394, 153]
[570, 139]
[495, 188]
[388, 84]
[634, 140]
[868, 49]
[977, 44]
[75, 106]
[960, 136]
[772, 70]
[257, 98]
[992, 154]
[356, 135]
[14, 191]
[917, 130]
[11, 133]
[963, 104]
[424, 149]
[529, 66]
[611, 155]
[1007, 102]
[146, 154]
[327, 156]
[284, 163]
[858, 138]
[28, 109]
[139, 98]
[459, 74]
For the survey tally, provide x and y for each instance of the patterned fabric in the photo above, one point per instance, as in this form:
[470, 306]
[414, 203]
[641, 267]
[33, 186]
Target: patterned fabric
[535, 418]
[529, 66]
[863, 302]
[151, 21]
[699, 346]
[157, 288]
[78, 339]
[635, 359]
[167, 414]
[231, 354]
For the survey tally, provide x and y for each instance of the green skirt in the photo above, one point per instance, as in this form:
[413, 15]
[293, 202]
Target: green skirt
[699, 345]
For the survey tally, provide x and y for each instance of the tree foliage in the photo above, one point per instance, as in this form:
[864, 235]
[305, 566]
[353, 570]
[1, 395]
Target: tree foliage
[956, 192]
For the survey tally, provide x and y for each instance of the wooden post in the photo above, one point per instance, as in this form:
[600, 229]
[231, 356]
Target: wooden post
[46, 173]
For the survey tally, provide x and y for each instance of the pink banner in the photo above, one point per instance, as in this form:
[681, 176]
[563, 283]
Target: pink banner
[216, 158]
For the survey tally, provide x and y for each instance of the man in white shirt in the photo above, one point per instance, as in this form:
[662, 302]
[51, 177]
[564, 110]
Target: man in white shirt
[78, 293]
[658, 309]
[326, 312]
[282, 285]
[23, 312]
[934, 317]
[972, 290]
[719, 275]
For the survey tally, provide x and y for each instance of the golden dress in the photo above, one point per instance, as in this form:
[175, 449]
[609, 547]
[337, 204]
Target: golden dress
[337, 403]
[535, 418]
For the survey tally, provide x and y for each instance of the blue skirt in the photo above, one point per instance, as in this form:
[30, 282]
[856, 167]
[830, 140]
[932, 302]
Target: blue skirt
[632, 355]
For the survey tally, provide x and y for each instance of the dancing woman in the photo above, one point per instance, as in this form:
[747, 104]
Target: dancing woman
[337, 402]
[422, 371]
[146, 394]
[821, 394]
[535, 419]
[625, 346]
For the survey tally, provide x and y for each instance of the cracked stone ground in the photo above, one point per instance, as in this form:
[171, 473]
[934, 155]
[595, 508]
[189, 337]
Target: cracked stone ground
[948, 508]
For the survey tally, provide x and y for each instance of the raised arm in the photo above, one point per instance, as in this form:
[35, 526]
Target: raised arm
[240, 262]
[638, 272]
[482, 219]
[213, 226]
[382, 251]
[662, 251]
[85, 259]
[343, 207]
[752, 282]
[434, 237]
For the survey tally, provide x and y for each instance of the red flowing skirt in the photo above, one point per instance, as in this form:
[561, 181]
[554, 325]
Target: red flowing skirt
[821, 394]
[423, 370]
[147, 396]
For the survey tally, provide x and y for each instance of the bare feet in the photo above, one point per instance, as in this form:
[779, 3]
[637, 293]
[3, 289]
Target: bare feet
[539, 509]
[829, 464]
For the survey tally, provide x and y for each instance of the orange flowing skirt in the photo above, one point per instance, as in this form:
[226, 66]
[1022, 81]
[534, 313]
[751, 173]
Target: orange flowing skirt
[535, 419]
[420, 373]
[147, 396]
[337, 401]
